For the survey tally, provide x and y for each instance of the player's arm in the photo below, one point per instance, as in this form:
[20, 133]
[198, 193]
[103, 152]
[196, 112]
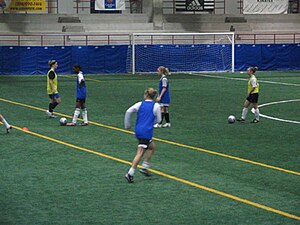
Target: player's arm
[157, 113]
[164, 89]
[129, 112]
[51, 78]
[81, 80]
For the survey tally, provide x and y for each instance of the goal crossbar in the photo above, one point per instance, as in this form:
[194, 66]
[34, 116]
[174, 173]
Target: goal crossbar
[230, 36]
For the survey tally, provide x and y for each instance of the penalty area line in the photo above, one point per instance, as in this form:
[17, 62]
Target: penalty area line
[174, 178]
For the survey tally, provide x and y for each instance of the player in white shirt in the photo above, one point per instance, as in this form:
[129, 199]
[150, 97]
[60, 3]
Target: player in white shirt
[148, 113]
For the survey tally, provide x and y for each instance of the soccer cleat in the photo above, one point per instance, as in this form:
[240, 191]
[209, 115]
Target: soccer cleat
[241, 120]
[145, 172]
[71, 124]
[8, 129]
[50, 114]
[83, 124]
[157, 125]
[167, 125]
[255, 121]
[129, 178]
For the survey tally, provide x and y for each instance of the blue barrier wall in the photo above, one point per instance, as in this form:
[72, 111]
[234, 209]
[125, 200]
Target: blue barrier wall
[117, 59]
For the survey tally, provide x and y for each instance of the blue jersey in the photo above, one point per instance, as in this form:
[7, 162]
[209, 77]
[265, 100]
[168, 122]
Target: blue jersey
[164, 82]
[145, 120]
[81, 87]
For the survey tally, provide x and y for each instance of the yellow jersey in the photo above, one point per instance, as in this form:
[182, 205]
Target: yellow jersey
[253, 83]
[54, 80]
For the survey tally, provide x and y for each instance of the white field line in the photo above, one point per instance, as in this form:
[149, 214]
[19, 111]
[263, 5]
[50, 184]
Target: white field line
[244, 79]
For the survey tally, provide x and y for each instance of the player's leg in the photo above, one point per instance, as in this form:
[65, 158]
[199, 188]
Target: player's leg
[49, 112]
[167, 116]
[159, 125]
[146, 162]
[244, 111]
[76, 113]
[256, 112]
[84, 114]
[135, 162]
[6, 124]
[56, 101]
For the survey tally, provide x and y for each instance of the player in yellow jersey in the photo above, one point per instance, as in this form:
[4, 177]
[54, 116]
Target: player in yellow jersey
[253, 90]
[6, 124]
[52, 88]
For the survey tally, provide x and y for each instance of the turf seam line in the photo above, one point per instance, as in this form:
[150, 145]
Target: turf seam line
[166, 141]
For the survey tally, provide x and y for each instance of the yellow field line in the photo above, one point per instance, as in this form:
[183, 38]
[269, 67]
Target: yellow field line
[168, 142]
[257, 205]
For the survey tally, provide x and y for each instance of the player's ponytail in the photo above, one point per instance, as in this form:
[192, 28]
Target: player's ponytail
[255, 68]
[51, 62]
[164, 70]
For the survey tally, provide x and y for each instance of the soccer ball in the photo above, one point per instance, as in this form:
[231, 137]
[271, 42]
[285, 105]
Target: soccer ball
[63, 121]
[231, 119]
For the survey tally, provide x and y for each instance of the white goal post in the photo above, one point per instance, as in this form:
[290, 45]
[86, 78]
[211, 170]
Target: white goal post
[183, 52]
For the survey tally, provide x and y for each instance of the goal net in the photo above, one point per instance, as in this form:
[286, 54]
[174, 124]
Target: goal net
[182, 52]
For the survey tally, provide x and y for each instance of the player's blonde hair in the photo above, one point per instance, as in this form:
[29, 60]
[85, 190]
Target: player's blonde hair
[150, 92]
[164, 70]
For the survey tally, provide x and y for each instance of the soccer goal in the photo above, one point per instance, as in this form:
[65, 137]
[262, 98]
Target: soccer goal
[182, 52]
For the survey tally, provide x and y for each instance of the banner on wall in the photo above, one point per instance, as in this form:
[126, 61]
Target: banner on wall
[110, 5]
[195, 5]
[23, 5]
[265, 6]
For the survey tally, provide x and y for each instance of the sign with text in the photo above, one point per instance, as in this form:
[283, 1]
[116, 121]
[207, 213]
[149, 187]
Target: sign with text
[110, 5]
[23, 5]
[265, 6]
[195, 5]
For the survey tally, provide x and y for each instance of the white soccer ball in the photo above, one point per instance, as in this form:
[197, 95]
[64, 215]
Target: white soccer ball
[63, 121]
[231, 119]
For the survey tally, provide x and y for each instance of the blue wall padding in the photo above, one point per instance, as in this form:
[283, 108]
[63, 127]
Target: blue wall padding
[117, 59]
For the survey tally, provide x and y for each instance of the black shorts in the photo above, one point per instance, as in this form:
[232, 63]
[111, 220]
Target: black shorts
[81, 100]
[253, 98]
[144, 143]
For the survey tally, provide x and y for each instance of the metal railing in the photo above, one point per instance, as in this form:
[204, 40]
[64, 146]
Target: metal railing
[125, 39]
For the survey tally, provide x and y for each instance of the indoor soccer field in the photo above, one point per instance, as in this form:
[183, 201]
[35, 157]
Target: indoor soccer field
[205, 170]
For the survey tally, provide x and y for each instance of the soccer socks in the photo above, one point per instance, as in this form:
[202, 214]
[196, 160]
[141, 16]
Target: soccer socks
[244, 113]
[76, 115]
[52, 106]
[131, 171]
[167, 116]
[162, 117]
[5, 123]
[84, 115]
[256, 113]
[145, 165]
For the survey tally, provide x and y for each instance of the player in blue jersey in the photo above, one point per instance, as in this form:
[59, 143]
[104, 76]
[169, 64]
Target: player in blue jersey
[80, 98]
[163, 97]
[6, 124]
[148, 112]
